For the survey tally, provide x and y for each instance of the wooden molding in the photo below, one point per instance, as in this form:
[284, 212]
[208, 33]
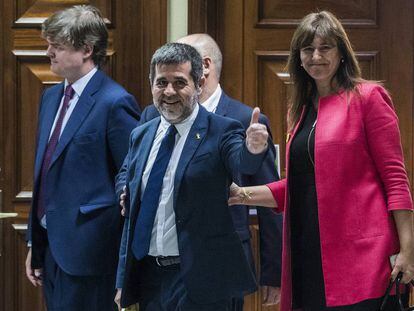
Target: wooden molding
[287, 14]
[202, 17]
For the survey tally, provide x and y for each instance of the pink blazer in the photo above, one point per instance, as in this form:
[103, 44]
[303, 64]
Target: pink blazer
[360, 177]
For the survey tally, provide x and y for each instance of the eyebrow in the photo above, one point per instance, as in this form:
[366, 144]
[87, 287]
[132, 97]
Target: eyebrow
[174, 78]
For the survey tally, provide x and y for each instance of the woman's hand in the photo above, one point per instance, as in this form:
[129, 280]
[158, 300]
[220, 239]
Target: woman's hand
[252, 195]
[405, 259]
[404, 263]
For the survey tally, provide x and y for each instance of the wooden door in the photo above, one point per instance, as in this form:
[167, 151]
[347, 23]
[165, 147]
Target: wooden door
[255, 35]
[136, 29]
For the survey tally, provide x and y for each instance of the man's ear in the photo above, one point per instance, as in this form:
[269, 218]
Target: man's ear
[206, 65]
[87, 50]
[202, 82]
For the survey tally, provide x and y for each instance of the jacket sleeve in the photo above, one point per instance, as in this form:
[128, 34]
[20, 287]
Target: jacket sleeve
[123, 119]
[383, 137]
[148, 114]
[121, 177]
[122, 256]
[34, 196]
[270, 222]
[237, 157]
[278, 189]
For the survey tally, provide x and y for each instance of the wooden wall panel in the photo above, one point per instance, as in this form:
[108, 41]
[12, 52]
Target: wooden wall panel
[271, 67]
[31, 13]
[282, 13]
[252, 302]
[136, 29]
[26, 298]
[2, 226]
[203, 17]
[29, 76]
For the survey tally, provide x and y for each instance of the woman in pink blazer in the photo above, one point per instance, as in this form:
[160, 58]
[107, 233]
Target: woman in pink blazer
[346, 198]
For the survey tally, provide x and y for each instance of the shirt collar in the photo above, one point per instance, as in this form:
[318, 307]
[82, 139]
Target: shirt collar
[212, 102]
[184, 126]
[80, 84]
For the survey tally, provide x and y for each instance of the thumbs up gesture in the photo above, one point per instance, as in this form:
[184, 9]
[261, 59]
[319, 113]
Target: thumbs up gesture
[257, 134]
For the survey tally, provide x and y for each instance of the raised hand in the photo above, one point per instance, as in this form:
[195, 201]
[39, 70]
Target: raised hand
[257, 134]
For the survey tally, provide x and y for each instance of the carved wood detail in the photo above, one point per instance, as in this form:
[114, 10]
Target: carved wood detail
[282, 13]
[32, 13]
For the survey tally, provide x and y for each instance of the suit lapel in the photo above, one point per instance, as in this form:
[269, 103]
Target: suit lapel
[195, 137]
[81, 111]
[140, 161]
[223, 105]
[50, 109]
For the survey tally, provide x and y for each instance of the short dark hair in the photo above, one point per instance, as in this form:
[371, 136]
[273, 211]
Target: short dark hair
[178, 53]
[79, 26]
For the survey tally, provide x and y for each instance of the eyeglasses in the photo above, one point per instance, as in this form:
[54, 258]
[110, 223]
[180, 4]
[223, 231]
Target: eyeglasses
[323, 49]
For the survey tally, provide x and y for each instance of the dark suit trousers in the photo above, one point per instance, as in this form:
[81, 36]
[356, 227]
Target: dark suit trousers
[162, 289]
[237, 302]
[64, 292]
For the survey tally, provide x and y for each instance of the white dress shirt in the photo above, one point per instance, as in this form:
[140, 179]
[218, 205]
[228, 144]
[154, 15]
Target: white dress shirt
[212, 102]
[78, 86]
[164, 233]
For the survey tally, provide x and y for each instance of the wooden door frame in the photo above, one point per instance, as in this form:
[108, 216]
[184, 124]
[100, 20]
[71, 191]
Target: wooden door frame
[2, 282]
[203, 17]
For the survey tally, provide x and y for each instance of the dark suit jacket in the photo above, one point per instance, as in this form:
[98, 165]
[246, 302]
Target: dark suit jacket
[270, 223]
[82, 211]
[213, 264]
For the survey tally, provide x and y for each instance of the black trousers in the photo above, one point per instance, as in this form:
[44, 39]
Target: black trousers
[64, 292]
[367, 305]
[237, 303]
[162, 289]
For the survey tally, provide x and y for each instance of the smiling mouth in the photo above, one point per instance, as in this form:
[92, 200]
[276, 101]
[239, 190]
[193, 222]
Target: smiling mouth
[170, 103]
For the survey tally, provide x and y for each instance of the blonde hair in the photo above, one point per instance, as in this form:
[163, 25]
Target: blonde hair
[79, 26]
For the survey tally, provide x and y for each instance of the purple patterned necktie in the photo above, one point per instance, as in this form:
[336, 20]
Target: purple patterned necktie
[69, 92]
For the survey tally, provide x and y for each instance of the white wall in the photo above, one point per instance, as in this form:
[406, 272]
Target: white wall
[177, 19]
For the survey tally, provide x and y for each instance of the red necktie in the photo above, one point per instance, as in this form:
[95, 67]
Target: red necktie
[69, 92]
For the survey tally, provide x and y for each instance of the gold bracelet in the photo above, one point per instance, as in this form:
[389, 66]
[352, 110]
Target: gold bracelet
[245, 195]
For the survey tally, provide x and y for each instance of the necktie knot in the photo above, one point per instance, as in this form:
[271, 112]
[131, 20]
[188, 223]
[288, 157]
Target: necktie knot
[172, 130]
[69, 91]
